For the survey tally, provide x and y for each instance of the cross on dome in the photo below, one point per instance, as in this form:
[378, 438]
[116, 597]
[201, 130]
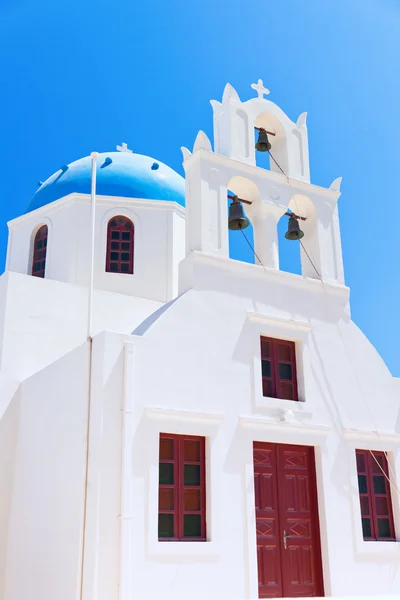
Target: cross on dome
[123, 148]
[260, 89]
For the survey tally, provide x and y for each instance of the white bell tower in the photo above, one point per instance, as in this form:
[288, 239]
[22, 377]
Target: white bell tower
[286, 186]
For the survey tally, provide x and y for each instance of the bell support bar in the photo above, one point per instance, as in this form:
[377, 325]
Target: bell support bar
[237, 199]
[262, 129]
[287, 214]
[292, 214]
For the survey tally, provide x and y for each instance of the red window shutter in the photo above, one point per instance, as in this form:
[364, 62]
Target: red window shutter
[182, 497]
[278, 365]
[375, 497]
[120, 245]
[40, 252]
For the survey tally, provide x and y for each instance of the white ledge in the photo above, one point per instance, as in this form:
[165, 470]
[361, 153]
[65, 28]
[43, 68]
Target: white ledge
[263, 423]
[270, 319]
[251, 270]
[363, 434]
[183, 415]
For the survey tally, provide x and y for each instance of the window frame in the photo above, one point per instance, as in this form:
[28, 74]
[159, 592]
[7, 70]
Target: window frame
[371, 495]
[41, 235]
[275, 361]
[179, 488]
[120, 227]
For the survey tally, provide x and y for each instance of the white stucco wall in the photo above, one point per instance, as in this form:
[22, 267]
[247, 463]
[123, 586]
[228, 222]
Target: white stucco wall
[45, 524]
[44, 319]
[159, 243]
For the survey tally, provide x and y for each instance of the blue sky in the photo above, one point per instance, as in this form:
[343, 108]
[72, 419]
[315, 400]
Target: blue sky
[87, 75]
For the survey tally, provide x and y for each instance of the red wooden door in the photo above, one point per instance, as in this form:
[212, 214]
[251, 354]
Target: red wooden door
[288, 541]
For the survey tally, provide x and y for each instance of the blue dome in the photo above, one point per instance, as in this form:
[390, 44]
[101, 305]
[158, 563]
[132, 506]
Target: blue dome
[118, 174]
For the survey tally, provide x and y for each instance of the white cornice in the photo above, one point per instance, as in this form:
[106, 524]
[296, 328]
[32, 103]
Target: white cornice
[244, 269]
[52, 207]
[253, 171]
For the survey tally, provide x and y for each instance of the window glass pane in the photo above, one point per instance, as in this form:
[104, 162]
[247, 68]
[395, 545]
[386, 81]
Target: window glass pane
[36, 267]
[192, 526]
[166, 448]
[379, 484]
[166, 473]
[125, 245]
[165, 526]
[284, 352]
[165, 499]
[114, 267]
[128, 225]
[381, 505]
[191, 475]
[115, 235]
[267, 388]
[285, 372]
[39, 244]
[366, 527]
[114, 245]
[191, 451]
[265, 349]
[384, 528]
[266, 368]
[360, 462]
[192, 500]
[113, 223]
[286, 391]
[45, 242]
[378, 463]
[43, 264]
[126, 235]
[125, 268]
[114, 256]
[364, 503]
[362, 484]
[125, 256]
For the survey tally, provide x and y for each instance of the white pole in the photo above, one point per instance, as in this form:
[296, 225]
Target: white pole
[93, 156]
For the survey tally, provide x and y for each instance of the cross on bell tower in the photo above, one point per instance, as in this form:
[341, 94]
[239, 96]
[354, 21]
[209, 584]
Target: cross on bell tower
[260, 89]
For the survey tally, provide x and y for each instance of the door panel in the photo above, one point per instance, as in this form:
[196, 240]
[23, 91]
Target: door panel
[267, 525]
[288, 544]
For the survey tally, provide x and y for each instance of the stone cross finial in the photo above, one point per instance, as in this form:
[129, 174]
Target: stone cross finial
[260, 89]
[123, 148]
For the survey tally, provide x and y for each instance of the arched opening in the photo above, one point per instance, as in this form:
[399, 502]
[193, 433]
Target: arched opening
[39, 252]
[241, 242]
[289, 250]
[120, 245]
[300, 256]
[276, 159]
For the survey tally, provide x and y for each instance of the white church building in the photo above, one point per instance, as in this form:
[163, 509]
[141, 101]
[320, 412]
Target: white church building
[191, 426]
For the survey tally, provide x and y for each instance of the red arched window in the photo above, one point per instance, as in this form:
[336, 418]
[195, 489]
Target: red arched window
[120, 242]
[39, 252]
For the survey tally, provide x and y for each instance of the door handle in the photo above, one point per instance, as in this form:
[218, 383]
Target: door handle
[285, 537]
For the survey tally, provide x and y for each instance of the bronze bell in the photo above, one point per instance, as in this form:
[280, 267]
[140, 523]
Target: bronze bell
[237, 219]
[294, 232]
[263, 144]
